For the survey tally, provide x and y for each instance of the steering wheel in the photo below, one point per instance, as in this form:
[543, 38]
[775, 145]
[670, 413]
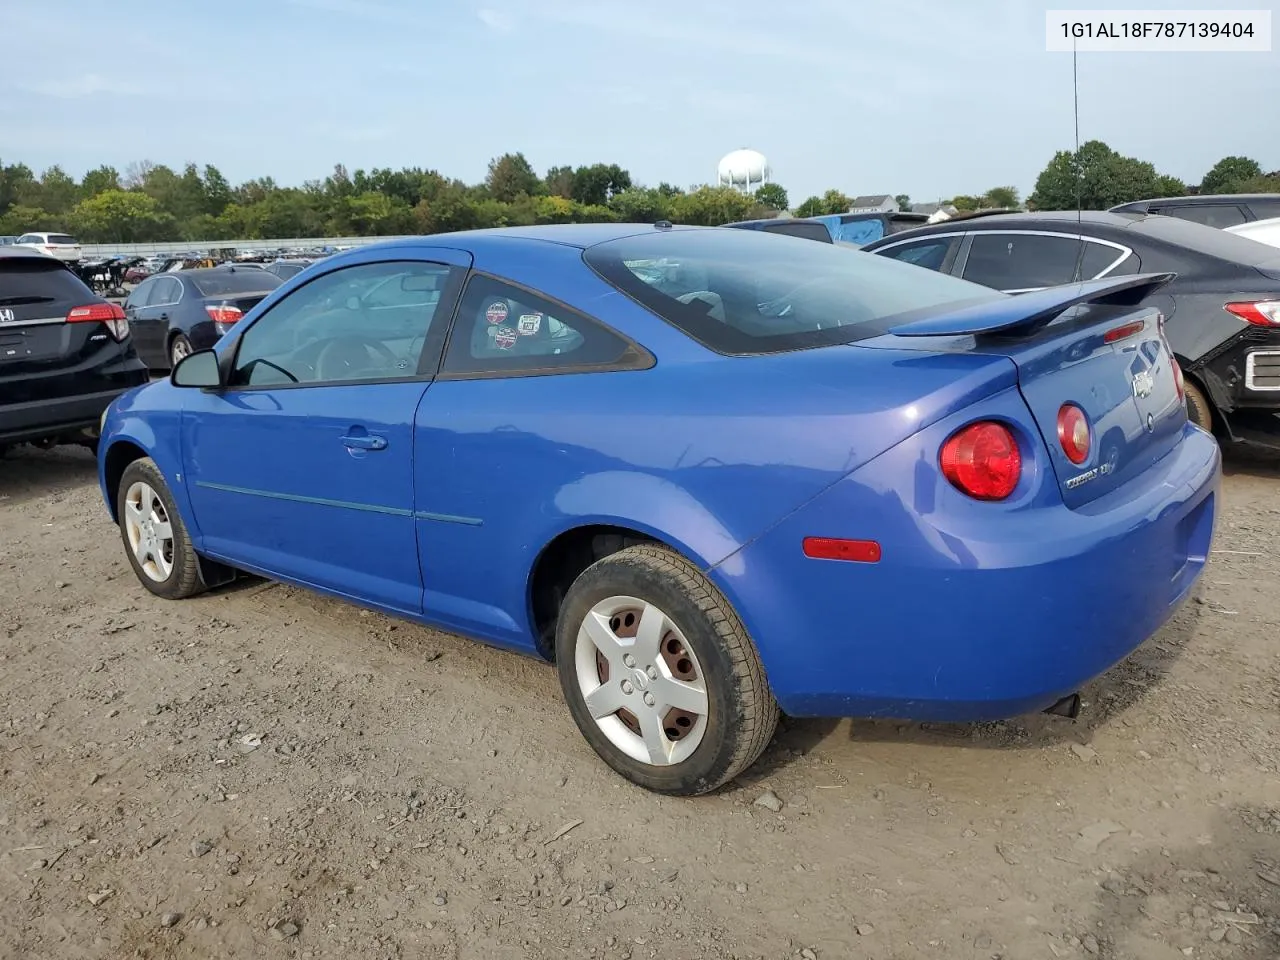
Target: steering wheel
[342, 357]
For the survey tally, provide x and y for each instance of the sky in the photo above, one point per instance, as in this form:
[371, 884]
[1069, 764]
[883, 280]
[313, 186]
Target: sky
[931, 98]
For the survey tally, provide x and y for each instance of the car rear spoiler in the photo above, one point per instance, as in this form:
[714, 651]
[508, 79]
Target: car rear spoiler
[1024, 313]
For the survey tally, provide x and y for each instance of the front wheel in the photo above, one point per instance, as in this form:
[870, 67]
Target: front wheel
[660, 675]
[154, 536]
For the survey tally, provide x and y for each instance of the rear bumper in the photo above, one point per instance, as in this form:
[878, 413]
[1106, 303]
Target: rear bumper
[970, 615]
[61, 416]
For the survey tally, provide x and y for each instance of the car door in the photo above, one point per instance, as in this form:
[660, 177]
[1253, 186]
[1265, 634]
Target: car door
[488, 445]
[150, 319]
[141, 325]
[302, 466]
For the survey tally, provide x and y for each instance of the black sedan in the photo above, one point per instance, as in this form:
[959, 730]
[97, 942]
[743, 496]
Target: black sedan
[1222, 312]
[174, 314]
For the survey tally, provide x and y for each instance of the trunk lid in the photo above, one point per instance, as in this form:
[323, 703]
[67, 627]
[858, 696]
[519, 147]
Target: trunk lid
[1090, 345]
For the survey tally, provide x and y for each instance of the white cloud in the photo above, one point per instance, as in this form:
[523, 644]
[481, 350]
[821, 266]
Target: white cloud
[496, 20]
[85, 85]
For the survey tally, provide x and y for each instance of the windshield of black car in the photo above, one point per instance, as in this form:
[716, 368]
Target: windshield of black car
[228, 282]
[751, 292]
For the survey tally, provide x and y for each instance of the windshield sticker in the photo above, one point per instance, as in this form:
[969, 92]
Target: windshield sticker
[530, 323]
[496, 312]
[505, 338]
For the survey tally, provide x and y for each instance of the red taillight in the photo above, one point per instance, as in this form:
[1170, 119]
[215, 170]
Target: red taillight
[1261, 313]
[832, 548]
[1073, 432]
[982, 460]
[1123, 332]
[224, 313]
[109, 314]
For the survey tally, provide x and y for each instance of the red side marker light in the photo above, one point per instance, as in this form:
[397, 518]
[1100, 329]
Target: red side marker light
[1123, 332]
[833, 548]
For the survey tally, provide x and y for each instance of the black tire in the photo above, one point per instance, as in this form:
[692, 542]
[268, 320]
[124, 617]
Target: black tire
[179, 342]
[742, 714]
[184, 579]
[1198, 410]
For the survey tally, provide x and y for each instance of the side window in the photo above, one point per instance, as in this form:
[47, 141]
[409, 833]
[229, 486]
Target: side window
[931, 254]
[1210, 214]
[1098, 257]
[502, 328]
[141, 294]
[167, 291]
[340, 327]
[1021, 261]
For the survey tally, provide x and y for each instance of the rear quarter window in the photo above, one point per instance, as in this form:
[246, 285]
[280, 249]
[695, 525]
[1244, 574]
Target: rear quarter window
[62, 238]
[741, 292]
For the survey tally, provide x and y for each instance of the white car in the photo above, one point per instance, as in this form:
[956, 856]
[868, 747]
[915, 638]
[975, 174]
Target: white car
[57, 245]
[1264, 231]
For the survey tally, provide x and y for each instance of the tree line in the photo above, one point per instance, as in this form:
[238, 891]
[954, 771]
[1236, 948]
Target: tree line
[153, 202]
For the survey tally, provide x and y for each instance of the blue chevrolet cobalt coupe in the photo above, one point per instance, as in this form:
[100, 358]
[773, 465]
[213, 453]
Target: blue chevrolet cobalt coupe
[712, 474]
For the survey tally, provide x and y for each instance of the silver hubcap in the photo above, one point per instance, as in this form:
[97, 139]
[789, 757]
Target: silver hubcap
[641, 682]
[180, 349]
[150, 533]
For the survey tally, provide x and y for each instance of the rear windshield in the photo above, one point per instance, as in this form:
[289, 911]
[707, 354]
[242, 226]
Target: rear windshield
[1209, 241]
[228, 282]
[34, 281]
[807, 229]
[61, 238]
[742, 292]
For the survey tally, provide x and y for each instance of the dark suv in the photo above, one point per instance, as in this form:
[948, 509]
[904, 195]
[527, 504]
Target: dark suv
[1213, 210]
[65, 353]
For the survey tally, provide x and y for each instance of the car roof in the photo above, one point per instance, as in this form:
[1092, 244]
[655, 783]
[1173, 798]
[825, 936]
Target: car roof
[1188, 201]
[581, 235]
[13, 253]
[1011, 221]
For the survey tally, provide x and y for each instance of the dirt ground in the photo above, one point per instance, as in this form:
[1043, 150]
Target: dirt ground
[264, 773]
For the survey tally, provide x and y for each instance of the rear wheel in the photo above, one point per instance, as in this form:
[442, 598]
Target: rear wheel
[179, 347]
[1198, 409]
[660, 675]
[154, 536]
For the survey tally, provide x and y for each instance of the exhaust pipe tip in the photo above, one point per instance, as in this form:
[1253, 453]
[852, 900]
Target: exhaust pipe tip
[1068, 707]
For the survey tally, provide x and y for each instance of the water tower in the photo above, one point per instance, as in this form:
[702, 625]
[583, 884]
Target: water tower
[744, 169]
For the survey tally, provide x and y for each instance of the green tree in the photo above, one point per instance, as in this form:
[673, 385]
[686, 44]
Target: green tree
[711, 206]
[811, 207]
[641, 205]
[772, 195]
[217, 191]
[903, 201]
[559, 182]
[16, 180]
[1002, 197]
[1167, 186]
[511, 175]
[119, 216]
[1101, 176]
[594, 185]
[1228, 173]
[1267, 183]
[20, 219]
[833, 201]
[58, 192]
[99, 181]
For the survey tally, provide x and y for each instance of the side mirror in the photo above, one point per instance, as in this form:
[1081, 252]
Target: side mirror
[199, 369]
